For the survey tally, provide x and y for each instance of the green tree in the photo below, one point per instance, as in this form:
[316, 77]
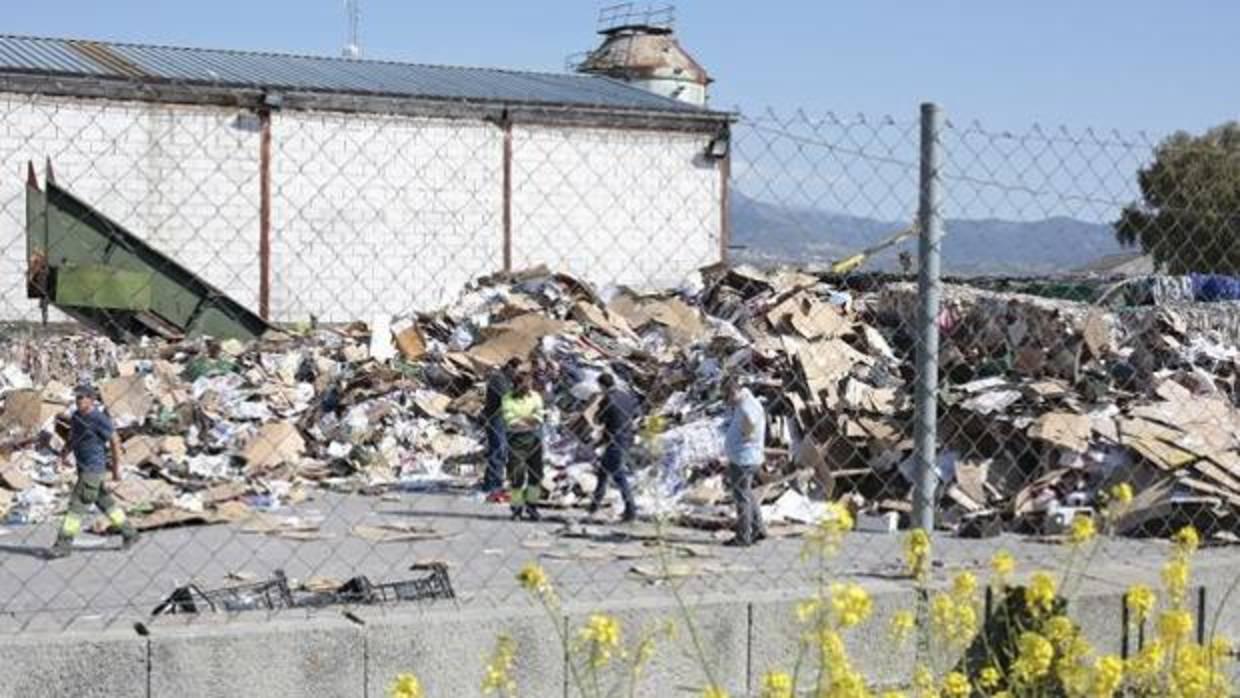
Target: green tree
[1189, 215]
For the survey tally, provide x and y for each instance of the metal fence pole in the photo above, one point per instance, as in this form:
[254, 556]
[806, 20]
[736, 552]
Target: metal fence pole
[930, 235]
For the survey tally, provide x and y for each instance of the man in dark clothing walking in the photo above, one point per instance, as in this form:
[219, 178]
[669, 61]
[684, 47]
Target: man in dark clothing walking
[617, 415]
[499, 384]
[91, 437]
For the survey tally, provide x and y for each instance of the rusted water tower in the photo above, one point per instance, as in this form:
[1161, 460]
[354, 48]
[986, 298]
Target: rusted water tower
[639, 47]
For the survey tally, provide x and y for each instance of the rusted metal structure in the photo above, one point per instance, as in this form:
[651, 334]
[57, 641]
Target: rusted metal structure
[640, 48]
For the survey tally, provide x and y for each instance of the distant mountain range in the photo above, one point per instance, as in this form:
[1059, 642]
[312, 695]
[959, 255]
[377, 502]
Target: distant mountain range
[771, 233]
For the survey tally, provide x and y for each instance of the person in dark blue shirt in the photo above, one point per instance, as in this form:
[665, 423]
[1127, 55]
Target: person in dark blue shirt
[616, 414]
[499, 384]
[91, 438]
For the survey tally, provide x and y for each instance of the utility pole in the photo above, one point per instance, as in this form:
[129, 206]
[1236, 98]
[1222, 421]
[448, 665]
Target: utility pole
[353, 47]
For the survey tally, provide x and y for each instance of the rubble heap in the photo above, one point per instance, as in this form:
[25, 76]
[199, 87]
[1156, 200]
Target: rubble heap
[1044, 403]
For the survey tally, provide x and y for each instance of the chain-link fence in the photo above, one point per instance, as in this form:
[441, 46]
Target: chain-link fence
[443, 346]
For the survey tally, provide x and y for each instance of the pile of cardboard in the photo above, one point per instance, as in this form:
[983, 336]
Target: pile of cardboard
[1043, 403]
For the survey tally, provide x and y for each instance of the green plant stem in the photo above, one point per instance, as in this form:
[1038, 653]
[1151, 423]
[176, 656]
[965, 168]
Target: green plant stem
[796, 669]
[556, 616]
[682, 606]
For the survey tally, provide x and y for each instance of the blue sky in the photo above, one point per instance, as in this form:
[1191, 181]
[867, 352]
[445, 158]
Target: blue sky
[1132, 65]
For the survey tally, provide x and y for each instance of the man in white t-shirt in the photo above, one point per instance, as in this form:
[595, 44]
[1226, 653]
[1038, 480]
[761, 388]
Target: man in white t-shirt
[745, 446]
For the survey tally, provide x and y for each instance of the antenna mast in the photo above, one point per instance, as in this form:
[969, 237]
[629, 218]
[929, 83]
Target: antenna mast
[353, 47]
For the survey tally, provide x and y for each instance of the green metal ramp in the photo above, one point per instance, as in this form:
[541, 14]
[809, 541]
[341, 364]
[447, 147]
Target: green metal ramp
[96, 271]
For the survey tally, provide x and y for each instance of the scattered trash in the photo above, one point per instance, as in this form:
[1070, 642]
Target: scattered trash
[1045, 403]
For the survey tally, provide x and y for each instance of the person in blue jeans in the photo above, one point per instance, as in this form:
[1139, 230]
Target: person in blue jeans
[617, 413]
[745, 447]
[91, 438]
[499, 384]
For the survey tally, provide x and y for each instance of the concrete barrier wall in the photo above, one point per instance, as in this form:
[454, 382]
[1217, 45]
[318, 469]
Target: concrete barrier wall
[329, 655]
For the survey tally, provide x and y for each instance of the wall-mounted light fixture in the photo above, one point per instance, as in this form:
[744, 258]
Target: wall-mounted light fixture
[719, 145]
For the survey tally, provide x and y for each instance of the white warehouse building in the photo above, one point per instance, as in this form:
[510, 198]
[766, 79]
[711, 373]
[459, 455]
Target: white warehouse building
[343, 188]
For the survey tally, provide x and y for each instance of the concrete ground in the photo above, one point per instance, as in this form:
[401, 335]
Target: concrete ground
[590, 560]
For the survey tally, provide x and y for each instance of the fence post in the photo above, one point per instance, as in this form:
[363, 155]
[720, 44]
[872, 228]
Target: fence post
[930, 236]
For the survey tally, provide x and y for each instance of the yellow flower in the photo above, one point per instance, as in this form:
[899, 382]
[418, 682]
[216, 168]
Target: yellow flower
[808, 610]
[956, 685]
[831, 646]
[966, 623]
[1140, 601]
[942, 613]
[1040, 596]
[1175, 574]
[1074, 677]
[1108, 674]
[1174, 625]
[533, 578]
[1059, 630]
[1076, 648]
[644, 652]
[846, 682]
[917, 553]
[1186, 540]
[850, 603]
[1148, 663]
[1082, 530]
[1193, 673]
[498, 673]
[964, 586]
[776, 684]
[1034, 656]
[826, 537]
[601, 634]
[1003, 565]
[1122, 494]
[923, 681]
[988, 678]
[902, 624]
[714, 692]
[954, 622]
[406, 686]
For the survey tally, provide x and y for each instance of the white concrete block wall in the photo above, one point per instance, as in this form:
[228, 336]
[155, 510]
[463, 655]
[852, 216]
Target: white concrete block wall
[640, 208]
[370, 213]
[381, 214]
[183, 178]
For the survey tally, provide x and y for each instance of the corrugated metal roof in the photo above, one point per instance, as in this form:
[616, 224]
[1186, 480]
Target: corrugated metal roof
[273, 71]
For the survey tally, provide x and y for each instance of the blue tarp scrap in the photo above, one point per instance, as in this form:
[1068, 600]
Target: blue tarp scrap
[1215, 287]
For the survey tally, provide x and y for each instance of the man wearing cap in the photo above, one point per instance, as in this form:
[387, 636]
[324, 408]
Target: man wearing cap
[616, 413]
[91, 437]
[745, 446]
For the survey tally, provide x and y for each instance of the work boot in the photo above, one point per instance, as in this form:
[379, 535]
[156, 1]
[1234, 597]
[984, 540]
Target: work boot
[531, 513]
[737, 542]
[129, 537]
[60, 549]
[629, 516]
[517, 510]
[593, 507]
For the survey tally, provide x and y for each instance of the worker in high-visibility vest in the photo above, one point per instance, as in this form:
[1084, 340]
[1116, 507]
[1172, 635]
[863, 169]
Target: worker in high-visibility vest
[522, 410]
[91, 437]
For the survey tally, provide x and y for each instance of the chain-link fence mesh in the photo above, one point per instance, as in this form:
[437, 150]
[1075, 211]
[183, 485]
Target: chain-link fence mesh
[352, 415]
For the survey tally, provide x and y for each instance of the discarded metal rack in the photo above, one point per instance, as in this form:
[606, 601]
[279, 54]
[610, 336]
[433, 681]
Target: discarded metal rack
[276, 594]
[268, 595]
